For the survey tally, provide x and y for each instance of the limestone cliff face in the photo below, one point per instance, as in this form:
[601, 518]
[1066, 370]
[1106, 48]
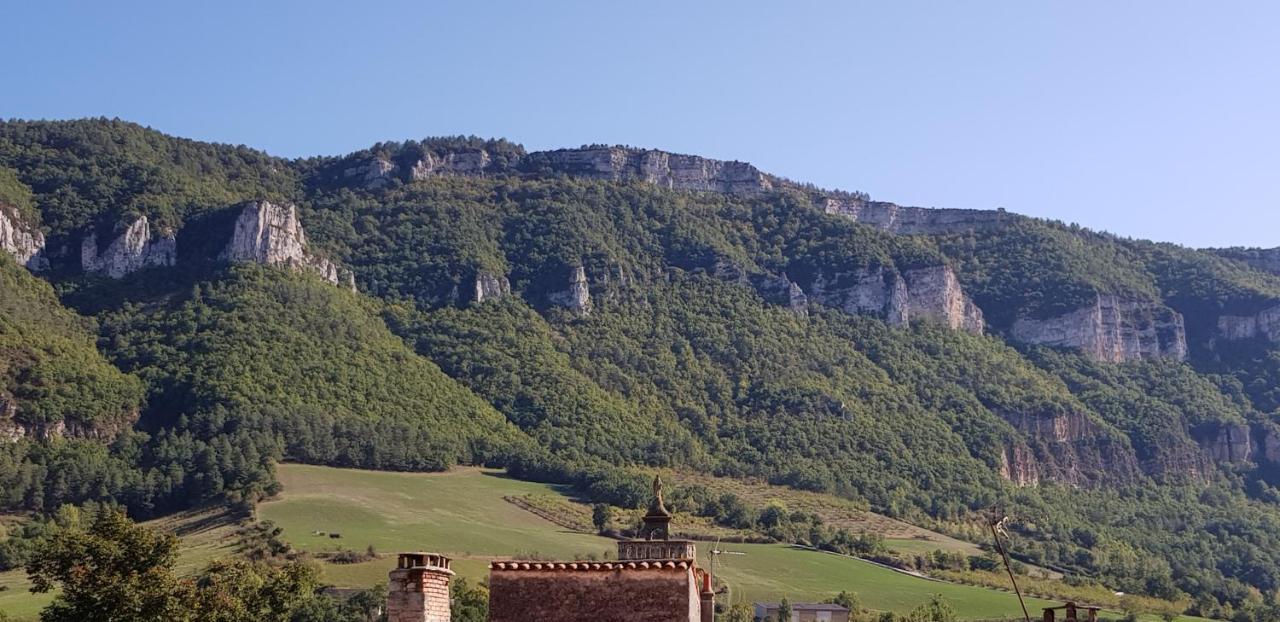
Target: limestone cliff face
[932, 293]
[132, 250]
[778, 290]
[1111, 329]
[1065, 448]
[669, 170]
[22, 241]
[375, 173]
[1264, 324]
[914, 220]
[270, 234]
[12, 430]
[463, 163]
[935, 293]
[577, 296]
[1019, 465]
[490, 287]
[1228, 442]
[1235, 443]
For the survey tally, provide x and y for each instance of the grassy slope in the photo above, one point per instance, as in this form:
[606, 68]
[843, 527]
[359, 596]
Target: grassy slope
[463, 513]
[834, 511]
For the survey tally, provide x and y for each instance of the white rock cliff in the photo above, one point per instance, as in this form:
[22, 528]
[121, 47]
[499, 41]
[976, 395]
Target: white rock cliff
[270, 234]
[1111, 329]
[24, 242]
[932, 293]
[577, 296]
[131, 251]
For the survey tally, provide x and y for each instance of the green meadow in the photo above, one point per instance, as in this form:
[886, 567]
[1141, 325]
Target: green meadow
[463, 514]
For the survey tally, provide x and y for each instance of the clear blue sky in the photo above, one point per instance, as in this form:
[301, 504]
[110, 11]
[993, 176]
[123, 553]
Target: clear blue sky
[1152, 119]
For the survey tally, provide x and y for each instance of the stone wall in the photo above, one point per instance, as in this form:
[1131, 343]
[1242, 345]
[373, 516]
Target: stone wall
[593, 591]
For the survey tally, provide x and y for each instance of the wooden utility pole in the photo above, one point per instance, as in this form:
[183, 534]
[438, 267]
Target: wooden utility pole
[996, 522]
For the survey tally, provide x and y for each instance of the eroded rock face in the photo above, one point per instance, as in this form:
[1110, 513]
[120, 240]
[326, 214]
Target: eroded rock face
[1227, 442]
[1018, 465]
[1111, 329]
[932, 293]
[1264, 324]
[12, 431]
[490, 287]
[270, 234]
[131, 251]
[935, 293]
[668, 170]
[376, 173]
[1066, 448]
[914, 220]
[778, 290]
[22, 241]
[577, 296]
[1235, 443]
[463, 163]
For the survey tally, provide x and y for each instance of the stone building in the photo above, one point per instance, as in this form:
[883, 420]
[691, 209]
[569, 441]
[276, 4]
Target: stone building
[804, 612]
[654, 579]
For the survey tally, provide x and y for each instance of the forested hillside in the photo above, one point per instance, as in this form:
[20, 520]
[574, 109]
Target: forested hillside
[570, 314]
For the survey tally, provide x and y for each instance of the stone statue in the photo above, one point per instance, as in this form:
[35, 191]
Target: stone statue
[658, 504]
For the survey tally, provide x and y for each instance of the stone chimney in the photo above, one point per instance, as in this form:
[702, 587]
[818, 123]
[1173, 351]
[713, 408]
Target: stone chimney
[418, 589]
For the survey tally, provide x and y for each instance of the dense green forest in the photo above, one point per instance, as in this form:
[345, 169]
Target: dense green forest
[693, 354]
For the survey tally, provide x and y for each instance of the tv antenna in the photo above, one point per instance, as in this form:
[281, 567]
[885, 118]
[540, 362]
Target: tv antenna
[714, 553]
[996, 520]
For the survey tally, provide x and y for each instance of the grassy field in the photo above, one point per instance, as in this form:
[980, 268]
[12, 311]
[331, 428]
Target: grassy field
[834, 511]
[205, 535]
[463, 513]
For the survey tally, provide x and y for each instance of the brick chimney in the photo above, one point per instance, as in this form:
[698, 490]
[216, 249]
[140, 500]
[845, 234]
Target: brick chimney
[707, 598]
[418, 588]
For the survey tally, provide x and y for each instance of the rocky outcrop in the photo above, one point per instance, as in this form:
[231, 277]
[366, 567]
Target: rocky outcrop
[1264, 324]
[270, 234]
[131, 251]
[1236, 443]
[22, 241]
[778, 290]
[490, 287]
[375, 173]
[668, 170]
[577, 296]
[1227, 442]
[931, 293]
[935, 293]
[12, 430]
[1067, 448]
[1019, 465]
[1111, 329]
[914, 220]
[461, 163]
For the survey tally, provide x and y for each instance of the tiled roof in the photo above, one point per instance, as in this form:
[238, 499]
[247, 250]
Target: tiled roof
[589, 566]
